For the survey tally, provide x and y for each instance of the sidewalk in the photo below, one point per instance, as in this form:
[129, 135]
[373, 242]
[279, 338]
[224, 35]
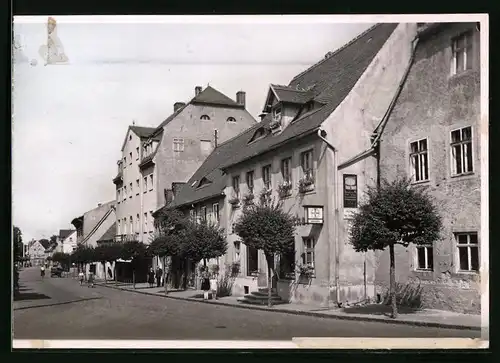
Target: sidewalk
[375, 312]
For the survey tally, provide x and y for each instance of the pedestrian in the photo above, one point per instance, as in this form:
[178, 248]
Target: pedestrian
[159, 273]
[42, 271]
[91, 279]
[81, 277]
[151, 277]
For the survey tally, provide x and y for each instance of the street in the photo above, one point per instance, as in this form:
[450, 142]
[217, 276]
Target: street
[59, 308]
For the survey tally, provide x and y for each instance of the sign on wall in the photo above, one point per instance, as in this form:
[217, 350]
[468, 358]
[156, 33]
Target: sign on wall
[314, 215]
[350, 191]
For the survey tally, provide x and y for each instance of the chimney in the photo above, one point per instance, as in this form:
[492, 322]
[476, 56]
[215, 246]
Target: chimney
[178, 105]
[215, 138]
[197, 90]
[240, 98]
[169, 196]
[99, 204]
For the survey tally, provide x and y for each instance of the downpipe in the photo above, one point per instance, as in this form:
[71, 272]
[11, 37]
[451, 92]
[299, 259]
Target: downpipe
[322, 135]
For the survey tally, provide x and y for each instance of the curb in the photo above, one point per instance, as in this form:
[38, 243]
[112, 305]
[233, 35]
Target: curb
[306, 313]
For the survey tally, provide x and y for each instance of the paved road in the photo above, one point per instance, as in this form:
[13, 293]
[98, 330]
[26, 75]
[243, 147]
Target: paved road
[58, 308]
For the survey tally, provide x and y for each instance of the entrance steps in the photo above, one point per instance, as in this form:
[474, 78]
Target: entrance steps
[260, 297]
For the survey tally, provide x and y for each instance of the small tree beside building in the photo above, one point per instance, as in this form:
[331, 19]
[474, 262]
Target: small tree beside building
[265, 226]
[395, 213]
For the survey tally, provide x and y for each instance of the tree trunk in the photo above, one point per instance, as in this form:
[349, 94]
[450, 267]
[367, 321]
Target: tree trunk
[165, 274]
[114, 273]
[105, 273]
[394, 314]
[270, 262]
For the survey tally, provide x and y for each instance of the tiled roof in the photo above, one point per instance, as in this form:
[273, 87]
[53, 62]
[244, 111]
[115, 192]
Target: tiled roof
[329, 81]
[332, 79]
[143, 131]
[63, 233]
[291, 94]
[45, 243]
[109, 234]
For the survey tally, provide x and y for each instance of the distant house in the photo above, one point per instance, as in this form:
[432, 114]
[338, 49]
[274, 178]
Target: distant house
[153, 158]
[36, 251]
[68, 240]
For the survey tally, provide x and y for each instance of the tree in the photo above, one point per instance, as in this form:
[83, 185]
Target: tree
[395, 213]
[83, 255]
[134, 251]
[204, 241]
[265, 226]
[107, 252]
[62, 258]
[18, 244]
[168, 240]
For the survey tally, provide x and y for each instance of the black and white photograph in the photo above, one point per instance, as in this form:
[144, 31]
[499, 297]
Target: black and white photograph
[250, 181]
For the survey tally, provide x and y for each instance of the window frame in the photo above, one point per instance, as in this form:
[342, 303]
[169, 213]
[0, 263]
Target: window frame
[205, 118]
[248, 272]
[250, 176]
[277, 112]
[145, 222]
[419, 153]
[131, 190]
[151, 187]
[311, 250]
[216, 214]
[178, 144]
[145, 184]
[309, 172]
[236, 186]
[461, 143]
[287, 177]
[266, 170]
[469, 246]
[138, 185]
[425, 248]
[467, 35]
[137, 152]
[231, 119]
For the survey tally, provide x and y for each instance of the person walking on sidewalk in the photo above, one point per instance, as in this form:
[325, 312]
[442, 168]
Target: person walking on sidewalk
[151, 277]
[159, 273]
[81, 277]
[91, 279]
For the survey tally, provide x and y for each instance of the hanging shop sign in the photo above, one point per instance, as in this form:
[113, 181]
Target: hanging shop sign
[350, 191]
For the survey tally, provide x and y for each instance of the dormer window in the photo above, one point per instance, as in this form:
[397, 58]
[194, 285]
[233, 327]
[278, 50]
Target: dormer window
[277, 113]
[205, 118]
[231, 119]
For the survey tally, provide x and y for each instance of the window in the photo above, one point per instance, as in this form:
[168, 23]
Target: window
[461, 151]
[124, 193]
[468, 251]
[419, 162]
[266, 176]
[277, 113]
[125, 162]
[151, 222]
[252, 261]
[306, 162]
[286, 170]
[131, 191]
[231, 119]
[178, 144]
[425, 258]
[204, 214]
[237, 251]
[130, 137]
[145, 222]
[118, 195]
[205, 117]
[130, 154]
[151, 182]
[236, 186]
[206, 146]
[462, 53]
[192, 214]
[138, 187]
[145, 182]
[249, 181]
[308, 256]
[287, 265]
[137, 153]
[131, 225]
[119, 225]
[137, 224]
[215, 209]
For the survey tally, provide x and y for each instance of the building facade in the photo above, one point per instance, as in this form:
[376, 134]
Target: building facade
[68, 238]
[36, 252]
[154, 158]
[433, 137]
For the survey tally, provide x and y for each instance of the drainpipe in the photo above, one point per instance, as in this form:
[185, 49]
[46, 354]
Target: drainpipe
[322, 134]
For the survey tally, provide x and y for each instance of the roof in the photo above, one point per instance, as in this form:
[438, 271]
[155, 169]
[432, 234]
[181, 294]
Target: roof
[330, 81]
[45, 243]
[63, 233]
[142, 131]
[109, 234]
[215, 181]
[208, 96]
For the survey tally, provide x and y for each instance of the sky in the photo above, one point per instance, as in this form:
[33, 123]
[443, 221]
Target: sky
[69, 119]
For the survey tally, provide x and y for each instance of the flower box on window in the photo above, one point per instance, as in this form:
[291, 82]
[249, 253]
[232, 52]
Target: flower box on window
[306, 184]
[265, 195]
[234, 201]
[305, 271]
[248, 199]
[284, 189]
[275, 124]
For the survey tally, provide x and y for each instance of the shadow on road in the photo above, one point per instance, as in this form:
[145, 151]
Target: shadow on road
[59, 303]
[378, 309]
[22, 296]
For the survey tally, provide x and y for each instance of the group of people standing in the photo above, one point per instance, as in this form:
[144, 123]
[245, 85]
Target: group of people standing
[155, 276]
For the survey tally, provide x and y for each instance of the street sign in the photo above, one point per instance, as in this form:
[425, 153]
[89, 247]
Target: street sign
[314, 215]
[350, 191]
